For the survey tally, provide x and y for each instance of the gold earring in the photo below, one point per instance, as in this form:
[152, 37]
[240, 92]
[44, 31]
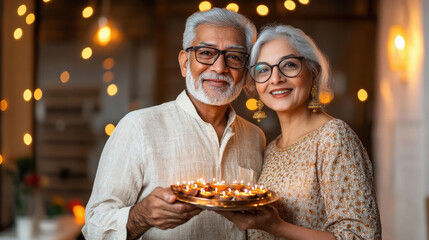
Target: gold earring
[314, 104]
[258, 115]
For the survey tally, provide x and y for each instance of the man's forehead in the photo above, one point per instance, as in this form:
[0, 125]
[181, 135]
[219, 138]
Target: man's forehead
[213, 35]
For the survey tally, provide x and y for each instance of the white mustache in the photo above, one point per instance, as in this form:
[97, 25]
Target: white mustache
[212, 75]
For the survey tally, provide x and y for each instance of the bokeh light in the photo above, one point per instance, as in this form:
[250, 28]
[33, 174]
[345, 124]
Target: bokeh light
[30, 18]
[46, 1]
[27, 95]
[304, 2]
[290, 5]
[112, 89]
[362, 95]
[108, 63]
[1, 159]
[104, 35]
[86, 53]
[233, 7]
[79, 214]
[65, 76]
[28, 139]
[325, 97]
[108, 76]
[262, 10]
[204, 6]
[251, 104]
[399, 42]
[17, 34]
[38, 94]
[87, 12]
[3, 105]
[22, 10]
[109, 129]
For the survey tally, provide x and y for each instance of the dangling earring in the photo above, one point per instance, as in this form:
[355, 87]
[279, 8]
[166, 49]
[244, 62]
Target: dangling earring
[314, 104]
[258, 115]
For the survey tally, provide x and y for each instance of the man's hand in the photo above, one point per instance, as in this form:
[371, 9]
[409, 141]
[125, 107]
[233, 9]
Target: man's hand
[159, 209]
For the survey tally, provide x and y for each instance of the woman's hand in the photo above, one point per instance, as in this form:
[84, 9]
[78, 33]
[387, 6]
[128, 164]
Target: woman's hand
[265, 218]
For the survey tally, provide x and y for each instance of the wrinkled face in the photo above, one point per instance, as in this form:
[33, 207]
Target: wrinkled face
[214, 84]
[282, 93]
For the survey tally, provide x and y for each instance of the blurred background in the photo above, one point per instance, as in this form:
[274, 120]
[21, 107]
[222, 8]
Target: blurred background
[70, 70]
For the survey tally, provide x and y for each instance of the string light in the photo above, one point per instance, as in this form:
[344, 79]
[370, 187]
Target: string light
[262, 10]
[86, 53]
[65, 76]
[87, 12]
[38, 94]
[204, 6]
[27, 95]
[17, 34]
[28, 139]
[362, 95]
[251, 104]
[30, 18]
[109, 129]
[112, 89]
[22, 10]
[3, 105]
[290, 5]
[232, 7]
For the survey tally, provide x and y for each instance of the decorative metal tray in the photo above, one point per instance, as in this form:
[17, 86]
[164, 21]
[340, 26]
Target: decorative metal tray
[228, 205]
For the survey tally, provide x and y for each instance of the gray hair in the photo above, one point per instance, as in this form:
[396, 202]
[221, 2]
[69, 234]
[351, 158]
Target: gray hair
[219, 17]
[304, 45]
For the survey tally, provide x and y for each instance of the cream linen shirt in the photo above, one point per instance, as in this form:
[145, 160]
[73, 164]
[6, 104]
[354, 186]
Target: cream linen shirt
[160, 146]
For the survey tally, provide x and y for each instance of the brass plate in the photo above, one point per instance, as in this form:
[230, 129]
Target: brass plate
[228, 205]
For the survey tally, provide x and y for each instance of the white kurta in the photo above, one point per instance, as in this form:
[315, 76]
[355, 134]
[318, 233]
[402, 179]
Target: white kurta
[159, 146]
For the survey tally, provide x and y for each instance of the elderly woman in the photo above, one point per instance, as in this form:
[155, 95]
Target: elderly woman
[317, 165]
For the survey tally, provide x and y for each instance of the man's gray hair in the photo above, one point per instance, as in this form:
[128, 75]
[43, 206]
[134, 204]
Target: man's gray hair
[304, 45]
[219, 17]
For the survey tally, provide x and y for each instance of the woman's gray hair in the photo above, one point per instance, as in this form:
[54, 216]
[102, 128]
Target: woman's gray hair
[219, 17]
[315, 60]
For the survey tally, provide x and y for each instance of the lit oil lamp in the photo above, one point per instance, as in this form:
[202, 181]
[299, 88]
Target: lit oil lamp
[224, 196]
[260, 191]
[204, 194]
[190, 191]
[177, 187]
[246, 195]
[236, 186]
[221, 186]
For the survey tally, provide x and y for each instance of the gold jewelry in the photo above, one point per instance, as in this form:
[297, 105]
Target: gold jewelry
[258, 115]
[314, 104]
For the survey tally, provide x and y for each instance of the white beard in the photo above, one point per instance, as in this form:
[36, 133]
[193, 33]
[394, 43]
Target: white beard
[224, 95]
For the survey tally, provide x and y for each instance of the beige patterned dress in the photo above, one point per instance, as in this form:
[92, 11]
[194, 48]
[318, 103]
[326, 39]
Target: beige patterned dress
[325, 182]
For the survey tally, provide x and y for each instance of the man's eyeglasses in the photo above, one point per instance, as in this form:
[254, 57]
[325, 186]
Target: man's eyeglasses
[209, 55]
[288, 66]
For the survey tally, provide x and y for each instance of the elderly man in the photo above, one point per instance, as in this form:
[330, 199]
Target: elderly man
[196, 136]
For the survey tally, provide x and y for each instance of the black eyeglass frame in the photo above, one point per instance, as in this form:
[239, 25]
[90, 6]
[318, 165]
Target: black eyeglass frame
[219, 52]
[277, 65]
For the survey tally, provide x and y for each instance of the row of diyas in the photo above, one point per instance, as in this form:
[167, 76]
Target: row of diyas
[220, 190]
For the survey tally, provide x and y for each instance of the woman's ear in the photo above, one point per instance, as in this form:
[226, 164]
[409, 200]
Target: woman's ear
[183, 62]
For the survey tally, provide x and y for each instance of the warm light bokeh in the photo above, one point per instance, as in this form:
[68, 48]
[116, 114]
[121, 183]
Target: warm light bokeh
[30, 18]
[1, 159]
[290, 5]
[86, 53]
[79, 214]
[108, 63]
[28, 139]
[109, 129]
[108, 76]
[64, 77]
[397, 49]
[233, 7]
[27, 95]
[112, 89]
[46, 1]
[38, 94]
[3, 105]
[362, 95]
[104, 35]
[251, 104]
[262, 10]
[17, 34]
[22, 10]
[204, 6]
[325, 97]
[304, 2]
[400, 42]
[87, 12]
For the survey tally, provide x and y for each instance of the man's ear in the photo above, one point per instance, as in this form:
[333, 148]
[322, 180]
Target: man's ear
[183, 62]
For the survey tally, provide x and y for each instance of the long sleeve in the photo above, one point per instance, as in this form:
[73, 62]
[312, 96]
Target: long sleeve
[117, 184]
[346, 185]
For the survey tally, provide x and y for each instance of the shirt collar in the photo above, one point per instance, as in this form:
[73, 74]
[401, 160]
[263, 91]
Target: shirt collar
[186, 104]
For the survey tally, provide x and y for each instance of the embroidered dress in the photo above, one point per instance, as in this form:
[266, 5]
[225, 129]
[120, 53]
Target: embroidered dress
[325, 182]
